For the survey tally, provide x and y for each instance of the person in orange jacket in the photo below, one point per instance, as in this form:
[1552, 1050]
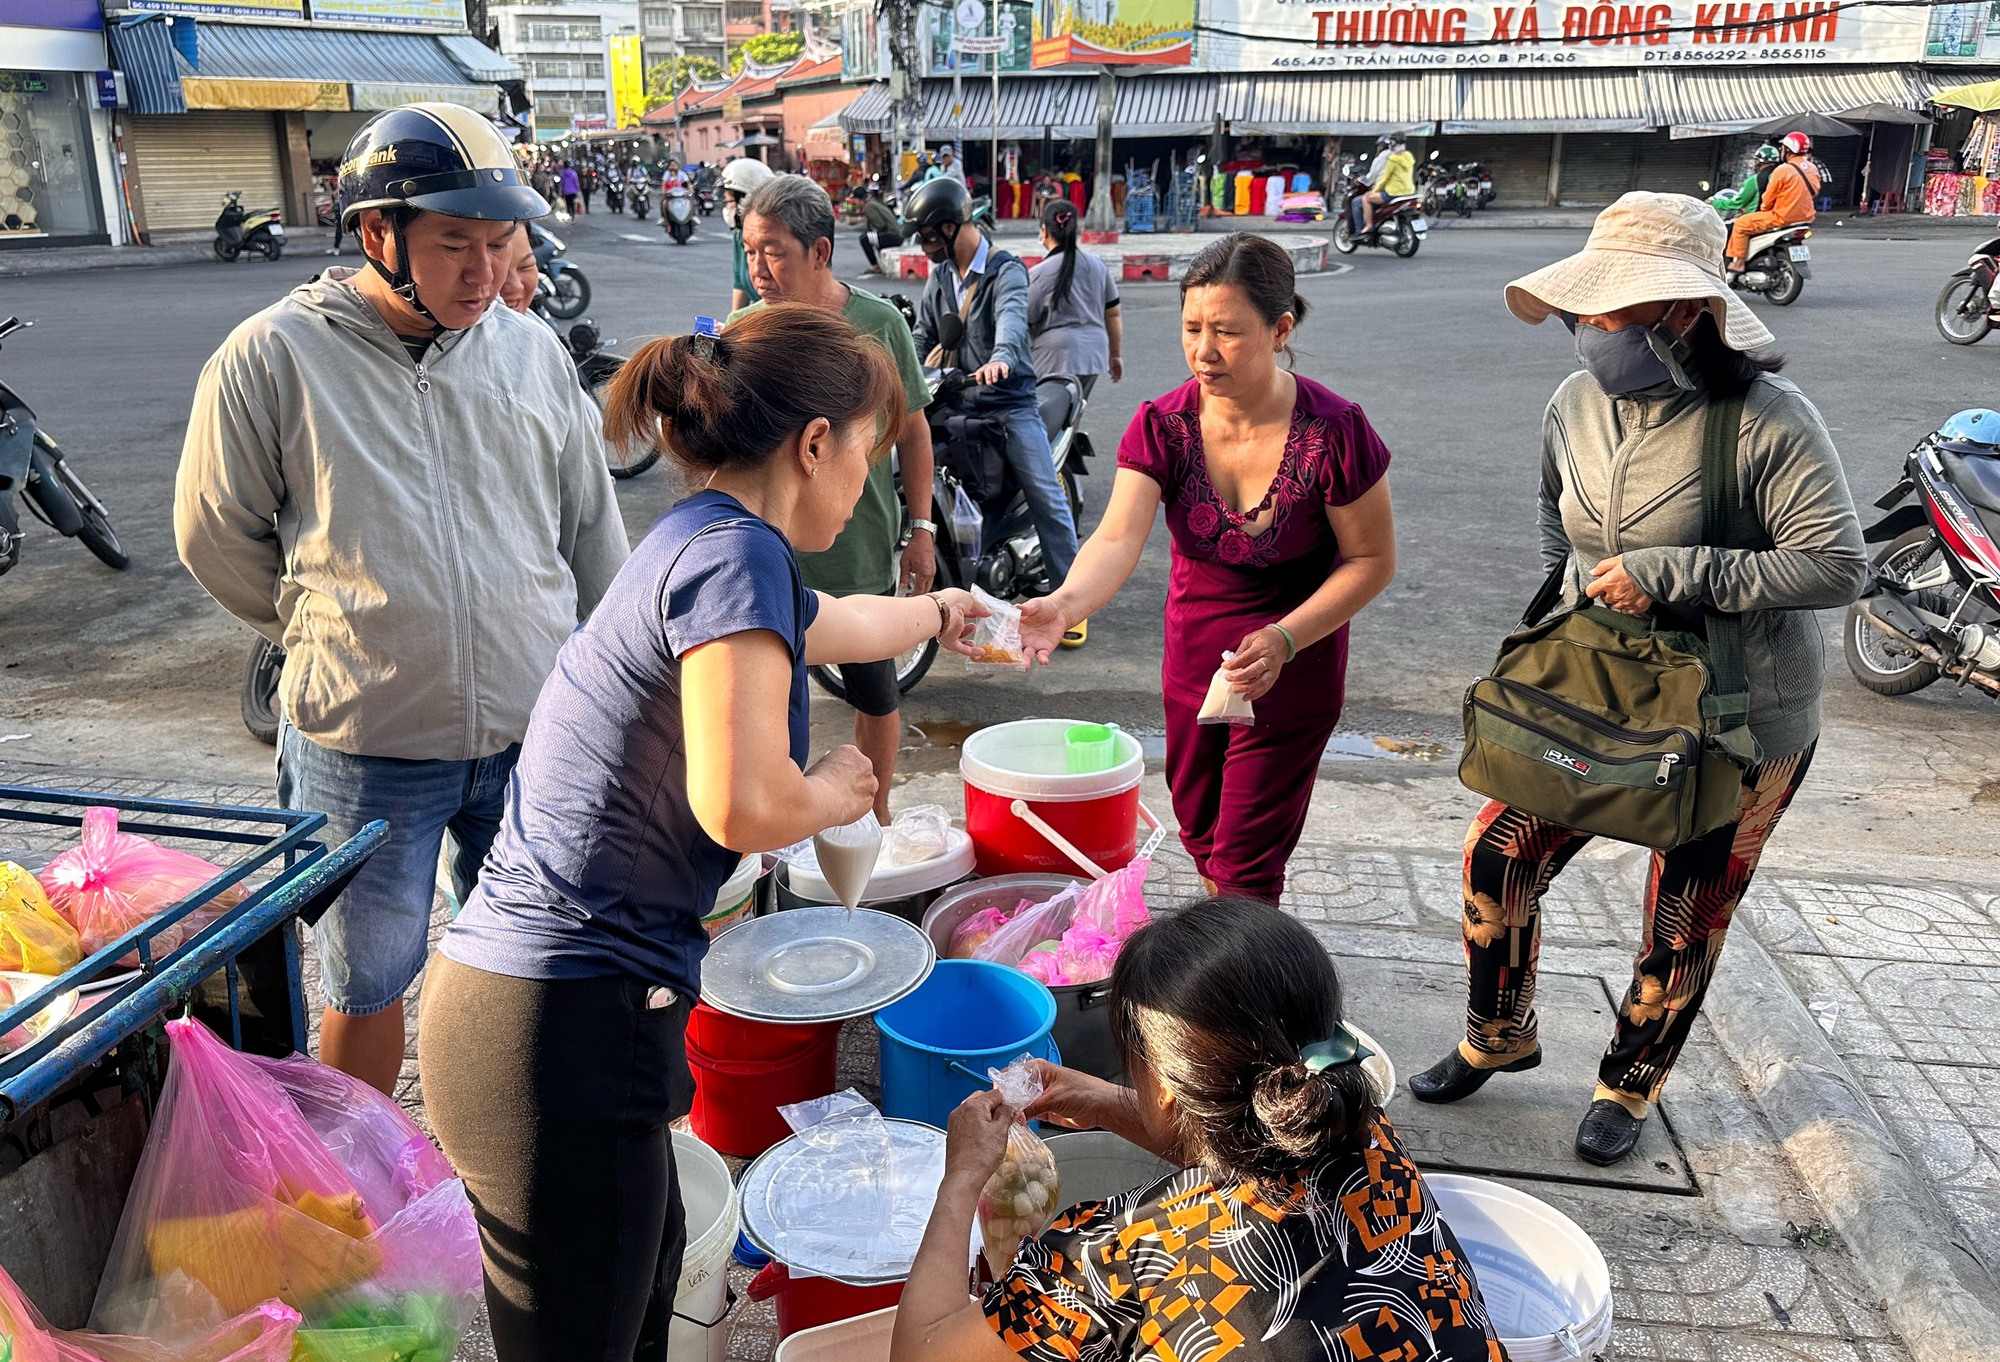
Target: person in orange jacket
[1788, 198]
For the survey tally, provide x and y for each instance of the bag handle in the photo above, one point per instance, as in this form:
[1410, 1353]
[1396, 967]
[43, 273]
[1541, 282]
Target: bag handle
[1547, 595]
[1722, 526]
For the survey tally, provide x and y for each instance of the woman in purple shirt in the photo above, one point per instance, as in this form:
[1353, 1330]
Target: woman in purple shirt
[1278, 509]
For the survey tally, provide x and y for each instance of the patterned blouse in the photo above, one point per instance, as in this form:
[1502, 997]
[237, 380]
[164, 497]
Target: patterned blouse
[1353, 1264]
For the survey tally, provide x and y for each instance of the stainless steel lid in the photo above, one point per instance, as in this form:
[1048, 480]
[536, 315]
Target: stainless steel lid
[815, 965]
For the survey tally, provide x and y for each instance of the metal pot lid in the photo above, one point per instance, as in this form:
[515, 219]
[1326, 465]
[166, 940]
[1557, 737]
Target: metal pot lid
[805, 1205]
[815, 965]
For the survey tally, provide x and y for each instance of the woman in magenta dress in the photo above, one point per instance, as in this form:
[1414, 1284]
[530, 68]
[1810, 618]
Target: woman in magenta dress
[1278, 507]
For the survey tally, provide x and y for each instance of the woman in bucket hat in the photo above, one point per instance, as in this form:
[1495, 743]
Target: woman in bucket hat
[1660, 336]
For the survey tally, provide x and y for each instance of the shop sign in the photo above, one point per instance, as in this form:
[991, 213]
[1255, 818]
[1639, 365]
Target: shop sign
[628, 81]
[970, 33]
[444, 14]
[732, 109]
[110, 87]
[1115, 32]
[1280, 35]
[223, 9]
[78, 16]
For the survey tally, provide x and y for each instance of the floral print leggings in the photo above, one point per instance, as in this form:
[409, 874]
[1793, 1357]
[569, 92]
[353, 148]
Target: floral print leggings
[1512, 857]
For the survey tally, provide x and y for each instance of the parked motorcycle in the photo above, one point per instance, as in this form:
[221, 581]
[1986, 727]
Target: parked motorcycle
[32, 464]
[1933, 608]
[1482, 179]
[237, 231]
[1399, 224]
[986, 535]
[569, 290]
[1966, 307]
[677, 213]
[595, 366]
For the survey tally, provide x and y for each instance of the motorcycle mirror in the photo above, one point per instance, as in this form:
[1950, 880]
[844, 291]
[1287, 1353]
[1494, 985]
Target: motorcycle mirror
[951, 331]
[1704, 186]
[1434, 156]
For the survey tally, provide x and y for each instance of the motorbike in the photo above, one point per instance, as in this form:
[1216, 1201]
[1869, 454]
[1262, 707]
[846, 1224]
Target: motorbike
[1777, 264]
[1444, 190]
[677, 213]
[704, 197]
[32, 464]
[1932, 609]
[595, 366]
[642, 198]
[1399, 226]
[569, 289]
[1482, 179]
[986, 536]
[1966, 307]
[237, 231]
[614, 195]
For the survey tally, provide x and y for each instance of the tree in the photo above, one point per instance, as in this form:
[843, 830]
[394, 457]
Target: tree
[768, 49]
[664, 80]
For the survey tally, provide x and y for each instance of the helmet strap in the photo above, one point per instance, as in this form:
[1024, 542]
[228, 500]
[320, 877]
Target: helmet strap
[401, 282]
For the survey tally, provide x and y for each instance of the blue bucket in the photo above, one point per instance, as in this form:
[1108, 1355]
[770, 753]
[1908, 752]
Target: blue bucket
[967, 1017]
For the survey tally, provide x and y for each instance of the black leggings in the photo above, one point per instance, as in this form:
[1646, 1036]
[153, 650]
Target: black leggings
[552, 1098]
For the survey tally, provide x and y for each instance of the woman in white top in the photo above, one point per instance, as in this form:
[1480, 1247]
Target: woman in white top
[1073, 320]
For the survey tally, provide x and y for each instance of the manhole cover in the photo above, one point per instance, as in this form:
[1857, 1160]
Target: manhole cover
[1518, 1125]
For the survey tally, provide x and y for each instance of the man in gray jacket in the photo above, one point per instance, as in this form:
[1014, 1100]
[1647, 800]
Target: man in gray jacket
[406, 488]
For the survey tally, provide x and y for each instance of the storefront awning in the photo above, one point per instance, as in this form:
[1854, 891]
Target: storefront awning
[1338, 106]
[245, 66]
[1714, 102]
[1147, 106]
[478, 61]
[144, 50]
[870, 112]
[1028, 106]
[1553, 101]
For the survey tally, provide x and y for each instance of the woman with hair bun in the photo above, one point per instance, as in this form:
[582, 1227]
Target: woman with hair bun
[1277, 504]
[670, 741]
[1296, 1228]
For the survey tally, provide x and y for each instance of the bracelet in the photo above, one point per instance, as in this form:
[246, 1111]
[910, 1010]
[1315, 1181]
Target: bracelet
[944, 613]
[1291, 644]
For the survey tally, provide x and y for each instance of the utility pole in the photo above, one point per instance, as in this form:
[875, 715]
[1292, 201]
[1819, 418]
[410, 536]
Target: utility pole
[993, 151]
[898, 21]
[1101, 216]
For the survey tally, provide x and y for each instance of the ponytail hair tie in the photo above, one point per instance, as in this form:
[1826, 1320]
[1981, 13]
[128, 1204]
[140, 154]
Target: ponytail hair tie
[706, 340]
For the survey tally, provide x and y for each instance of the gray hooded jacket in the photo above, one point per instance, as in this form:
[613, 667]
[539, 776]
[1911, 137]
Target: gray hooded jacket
[1623, 476]
[421, 538]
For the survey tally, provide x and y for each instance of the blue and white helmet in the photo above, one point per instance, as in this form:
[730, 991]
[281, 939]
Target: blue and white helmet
[1977, 426]
[439, 158]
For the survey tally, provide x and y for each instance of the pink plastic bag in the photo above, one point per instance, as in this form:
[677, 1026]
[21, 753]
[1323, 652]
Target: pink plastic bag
[261, 1335]
[116, 881]
[283, 1180]
[1030, 926]
[972, 933]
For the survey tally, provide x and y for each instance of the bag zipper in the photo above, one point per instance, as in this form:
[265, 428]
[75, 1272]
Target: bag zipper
[1584, 716]
[1666, 761]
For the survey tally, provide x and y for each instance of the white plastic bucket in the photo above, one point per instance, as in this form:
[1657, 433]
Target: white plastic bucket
[1544, 1280]
[701, 1299]
[736, 900]
[865, 1338]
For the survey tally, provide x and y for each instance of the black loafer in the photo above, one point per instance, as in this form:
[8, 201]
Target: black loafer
[1608, 1133]
[1451, 1078]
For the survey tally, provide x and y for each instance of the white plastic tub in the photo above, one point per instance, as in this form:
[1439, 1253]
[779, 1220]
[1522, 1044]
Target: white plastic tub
[736, 900]
[701, 1298]
[1544, 1280]
[865, 1338]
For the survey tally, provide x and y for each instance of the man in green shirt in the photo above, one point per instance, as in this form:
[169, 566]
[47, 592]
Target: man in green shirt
[1748, 196]
[788, 226]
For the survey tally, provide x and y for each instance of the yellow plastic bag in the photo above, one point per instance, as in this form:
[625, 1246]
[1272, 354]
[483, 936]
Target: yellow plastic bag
[34, 937]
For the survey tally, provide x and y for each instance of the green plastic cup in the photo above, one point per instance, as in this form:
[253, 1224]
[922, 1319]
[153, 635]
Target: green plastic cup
[1090, 747]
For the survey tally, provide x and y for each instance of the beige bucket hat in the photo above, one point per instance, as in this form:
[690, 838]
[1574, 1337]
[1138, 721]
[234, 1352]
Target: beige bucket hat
[1644, 248]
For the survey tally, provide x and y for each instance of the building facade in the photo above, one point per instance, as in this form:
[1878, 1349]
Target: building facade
[565, 51]
[58, 173]
[682, 28]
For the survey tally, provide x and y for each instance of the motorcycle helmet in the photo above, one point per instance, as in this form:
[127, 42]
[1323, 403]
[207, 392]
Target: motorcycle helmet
[938, 203]
[434, 158]
[1975, 430]
[744, 174]
[1766, 155]
[1797, 144]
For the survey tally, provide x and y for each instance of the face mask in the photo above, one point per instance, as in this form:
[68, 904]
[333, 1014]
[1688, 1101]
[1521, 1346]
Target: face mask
[729, 214]
[1632, 359]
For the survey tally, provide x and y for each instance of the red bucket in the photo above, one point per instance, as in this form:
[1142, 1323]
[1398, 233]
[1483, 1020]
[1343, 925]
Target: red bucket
[1027, 813]
[745, 1070]
[808, 1302]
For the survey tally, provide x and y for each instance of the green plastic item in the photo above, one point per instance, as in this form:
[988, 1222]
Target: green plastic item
[1088, 748]
[414, 1329]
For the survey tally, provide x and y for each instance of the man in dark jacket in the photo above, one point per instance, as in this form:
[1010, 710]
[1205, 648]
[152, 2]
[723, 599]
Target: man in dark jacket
[973, 279]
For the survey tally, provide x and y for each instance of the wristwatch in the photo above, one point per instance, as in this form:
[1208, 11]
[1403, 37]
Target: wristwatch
[928, 526]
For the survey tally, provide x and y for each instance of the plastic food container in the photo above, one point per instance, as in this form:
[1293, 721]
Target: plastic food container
[905, 890]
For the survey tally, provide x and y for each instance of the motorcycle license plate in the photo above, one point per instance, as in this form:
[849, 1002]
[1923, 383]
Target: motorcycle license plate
[1801, 253]
[277, 231]
[1421, 227]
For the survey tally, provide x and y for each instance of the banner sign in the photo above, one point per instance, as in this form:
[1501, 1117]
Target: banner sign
[223, 9]
[1319, 35]
[628, 81]
[972, 36]
[80, 16]
[392, 13]
[1117, 32]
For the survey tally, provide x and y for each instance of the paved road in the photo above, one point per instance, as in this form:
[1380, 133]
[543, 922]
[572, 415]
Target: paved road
[139, 672]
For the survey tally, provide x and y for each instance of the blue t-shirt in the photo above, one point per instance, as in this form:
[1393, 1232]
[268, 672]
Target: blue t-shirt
[600, 867]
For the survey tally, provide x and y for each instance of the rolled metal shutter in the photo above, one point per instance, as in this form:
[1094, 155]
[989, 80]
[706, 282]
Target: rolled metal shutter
[1598, 166]
[1667, 166]
[187, 162]
[1842, 158]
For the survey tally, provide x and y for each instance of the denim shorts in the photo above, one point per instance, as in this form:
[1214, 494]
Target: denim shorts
[373, 941]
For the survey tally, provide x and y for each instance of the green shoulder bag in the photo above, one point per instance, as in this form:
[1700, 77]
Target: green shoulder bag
[1618, 725]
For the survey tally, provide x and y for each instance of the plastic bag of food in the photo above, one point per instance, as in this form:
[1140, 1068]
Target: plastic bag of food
[974, 932]
[1030, 926]
[283, 1180]
[116, 881]
[1223, 704]
[917, 835]
[1116, 904]
[261, 1335]
[996, 638]
[34, 937]
[1021, 1197]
